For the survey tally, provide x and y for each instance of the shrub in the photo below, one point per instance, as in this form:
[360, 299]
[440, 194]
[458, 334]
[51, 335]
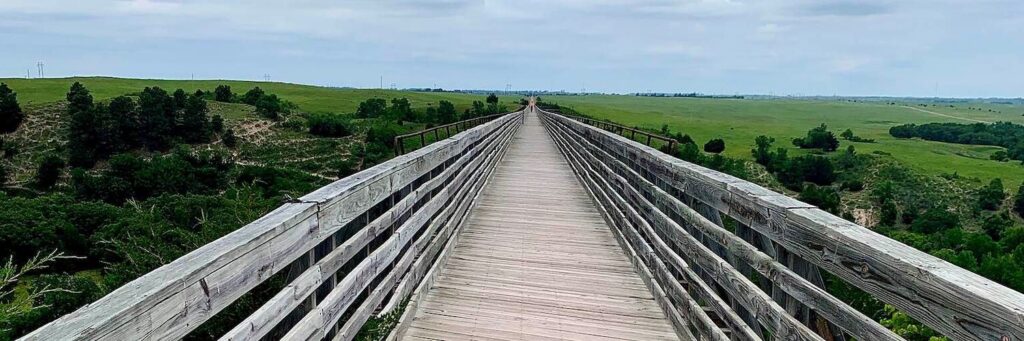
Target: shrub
[229, 138]
[825, 198]
[714, 146]
[935, 220]
[223, 93]
[329, 125]
[372, 108]
[253, 95]
[819, 137]
[49, 171]
[1018, 201]
[854, 185]
[217, 124]
[992, 195]
[269, 107]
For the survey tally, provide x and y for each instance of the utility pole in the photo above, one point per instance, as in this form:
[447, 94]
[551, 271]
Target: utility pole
[266, 77]
[39, 65]
[28, 74]
[381, 82]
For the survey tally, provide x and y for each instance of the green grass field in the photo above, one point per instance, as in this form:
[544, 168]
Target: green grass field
[308, 98]
[738, 122]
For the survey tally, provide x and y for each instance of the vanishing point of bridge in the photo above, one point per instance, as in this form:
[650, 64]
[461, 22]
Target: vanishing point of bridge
[537, 226]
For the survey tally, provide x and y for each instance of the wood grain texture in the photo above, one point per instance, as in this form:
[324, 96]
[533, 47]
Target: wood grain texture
[832, 308]
[954, 301]
[537, 261]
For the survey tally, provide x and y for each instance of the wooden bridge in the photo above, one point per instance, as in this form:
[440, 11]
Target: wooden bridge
[539, 226]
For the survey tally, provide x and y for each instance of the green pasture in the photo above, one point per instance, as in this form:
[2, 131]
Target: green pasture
[739, 121]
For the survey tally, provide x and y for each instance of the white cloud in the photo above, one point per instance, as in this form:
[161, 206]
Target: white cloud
[615, 45]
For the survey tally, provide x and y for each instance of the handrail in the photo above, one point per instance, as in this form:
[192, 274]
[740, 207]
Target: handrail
[343, 249]
[465, 124]
[765, 269]
[609, 126]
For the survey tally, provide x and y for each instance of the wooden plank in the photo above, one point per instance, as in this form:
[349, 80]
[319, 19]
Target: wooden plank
[268, 315]
[833, 309]
[137, 309]
[947, 298]
[531, 164]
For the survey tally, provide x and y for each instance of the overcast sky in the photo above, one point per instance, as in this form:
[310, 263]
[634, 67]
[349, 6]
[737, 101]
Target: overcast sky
[812, 47]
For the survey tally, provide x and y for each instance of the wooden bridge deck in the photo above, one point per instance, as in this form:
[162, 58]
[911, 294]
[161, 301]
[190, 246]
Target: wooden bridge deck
[537, 261]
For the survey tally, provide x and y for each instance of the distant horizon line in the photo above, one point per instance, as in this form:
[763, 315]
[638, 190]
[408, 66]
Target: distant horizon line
[552, 92]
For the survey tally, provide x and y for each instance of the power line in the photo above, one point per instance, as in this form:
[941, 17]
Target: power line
[39, 65]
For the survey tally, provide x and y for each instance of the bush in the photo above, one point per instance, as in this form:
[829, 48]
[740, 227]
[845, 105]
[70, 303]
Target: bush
[49, 171]
[229, 138]
[935, 220]
[992, 195]
[270, 107]
[217, 124]
[819, 137]
[223, 93]
[372, 108]
[825, 198]
[854, 185]
[10, 112]
[253, 95]
[383, 134]
[714, 146]
[1018, 201]
[329, 125]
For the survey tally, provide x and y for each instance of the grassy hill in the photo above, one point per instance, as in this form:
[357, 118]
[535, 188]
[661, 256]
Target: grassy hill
[308, 98]
[739, 121]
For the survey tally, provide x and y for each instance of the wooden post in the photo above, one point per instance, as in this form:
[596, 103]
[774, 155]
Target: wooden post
[423, 141]
[398, 142]
[648, 140]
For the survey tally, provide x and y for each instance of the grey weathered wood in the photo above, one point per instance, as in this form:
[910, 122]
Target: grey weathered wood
[690, 309]
[490, 156]
[949, 299]
[172, 300]
[535, 260]
[832, 308]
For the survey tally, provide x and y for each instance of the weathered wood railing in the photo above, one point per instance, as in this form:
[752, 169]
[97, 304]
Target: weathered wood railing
[757, 277]
[449, 130]
[347, 250]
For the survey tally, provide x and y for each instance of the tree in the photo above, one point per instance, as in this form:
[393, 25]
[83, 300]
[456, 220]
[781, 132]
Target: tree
[1018, 201]
[252, 96]
[446, 112]
[492, 104]
[479, 109]
[81, 133]
[79, 98]
[195, 125]
[401, 110]
[179, 99]
[818, 137]
[714, 146]
[889, 213]
[156, 118]
[372, 108]
[124, 113]
[229, 138]
[328, 125]
[223, 93]
[847, 134]
[269, 107]
[217, 124]
[10, 112]
[992, 195]
[762, 151]
[49, 171]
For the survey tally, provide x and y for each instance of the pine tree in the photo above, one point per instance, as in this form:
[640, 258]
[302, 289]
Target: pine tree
[10, 112]
[195, 126]
[82, 133]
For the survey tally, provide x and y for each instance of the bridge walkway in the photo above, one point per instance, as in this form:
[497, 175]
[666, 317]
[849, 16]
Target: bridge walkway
[537, 261]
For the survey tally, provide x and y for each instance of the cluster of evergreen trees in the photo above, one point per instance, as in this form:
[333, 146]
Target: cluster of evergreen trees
[267, 105]
[156, 122]
[1003, 134]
